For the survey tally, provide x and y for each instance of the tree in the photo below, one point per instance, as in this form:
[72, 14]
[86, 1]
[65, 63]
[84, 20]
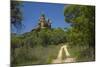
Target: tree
[16, 14]
[82, 19]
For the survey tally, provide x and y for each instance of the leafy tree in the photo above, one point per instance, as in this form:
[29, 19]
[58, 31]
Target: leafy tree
[16, 22]
[82, 30]
[82, 19]
[16, 14]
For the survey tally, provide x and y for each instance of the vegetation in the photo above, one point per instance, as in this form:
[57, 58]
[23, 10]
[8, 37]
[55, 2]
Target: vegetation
[16, 14]
[41, 41]
[82, 31]
[40, 47]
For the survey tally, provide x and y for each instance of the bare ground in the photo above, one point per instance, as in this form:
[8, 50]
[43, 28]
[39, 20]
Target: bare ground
[68, 58]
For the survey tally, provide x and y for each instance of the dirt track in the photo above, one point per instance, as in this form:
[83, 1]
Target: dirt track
[59, 56]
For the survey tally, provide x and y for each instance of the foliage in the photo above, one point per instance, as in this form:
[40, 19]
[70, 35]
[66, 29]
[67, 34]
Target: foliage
[26, 46]
[36, 55]
[46, 37]
[16, 14]
[82, 30]
[82, 19]
[40, 47]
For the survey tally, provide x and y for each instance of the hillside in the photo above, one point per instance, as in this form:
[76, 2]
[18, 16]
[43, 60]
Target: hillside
[43, 47]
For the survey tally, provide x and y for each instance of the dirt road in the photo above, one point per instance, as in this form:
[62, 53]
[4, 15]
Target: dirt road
[60, 55]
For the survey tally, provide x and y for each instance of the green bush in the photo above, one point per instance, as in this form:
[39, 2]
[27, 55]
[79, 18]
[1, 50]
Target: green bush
[86, 55]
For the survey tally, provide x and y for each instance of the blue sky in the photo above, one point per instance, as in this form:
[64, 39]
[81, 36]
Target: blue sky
[32, 11]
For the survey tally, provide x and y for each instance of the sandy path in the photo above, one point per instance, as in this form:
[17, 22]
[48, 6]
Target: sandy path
[59, 56]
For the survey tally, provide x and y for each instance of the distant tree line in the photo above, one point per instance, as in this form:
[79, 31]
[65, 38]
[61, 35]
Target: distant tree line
[43, 37]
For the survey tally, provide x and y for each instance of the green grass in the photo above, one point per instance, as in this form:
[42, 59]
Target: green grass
[36, 55]
[45, 55]
[82, 53]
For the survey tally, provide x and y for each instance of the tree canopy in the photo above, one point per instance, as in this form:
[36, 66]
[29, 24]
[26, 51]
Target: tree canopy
[16, 14]
[82, 19]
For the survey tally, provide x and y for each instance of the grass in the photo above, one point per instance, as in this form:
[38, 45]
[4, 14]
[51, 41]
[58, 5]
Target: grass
[82, 53]
[36, 55]
[45, 55]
